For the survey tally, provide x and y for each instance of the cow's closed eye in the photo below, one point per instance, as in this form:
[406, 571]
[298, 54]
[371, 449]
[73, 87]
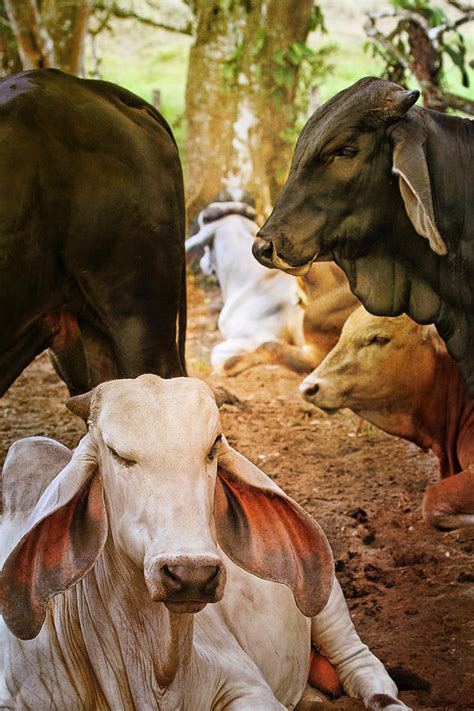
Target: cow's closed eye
[123, 460]
[346, 152]
[211, 455]
[378, 340]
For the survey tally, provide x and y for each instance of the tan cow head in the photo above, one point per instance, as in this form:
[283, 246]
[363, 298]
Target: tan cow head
[378, 365]
[156, 481]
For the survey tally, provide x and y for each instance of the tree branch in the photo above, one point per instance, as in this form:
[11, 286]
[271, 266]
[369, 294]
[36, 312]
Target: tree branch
[462, 6]
[127, 14]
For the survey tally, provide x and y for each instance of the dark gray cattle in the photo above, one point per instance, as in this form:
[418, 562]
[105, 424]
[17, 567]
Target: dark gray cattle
[370, 175]
[92, 261]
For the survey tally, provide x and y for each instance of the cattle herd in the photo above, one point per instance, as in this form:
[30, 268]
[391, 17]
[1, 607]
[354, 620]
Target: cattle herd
[155, 567]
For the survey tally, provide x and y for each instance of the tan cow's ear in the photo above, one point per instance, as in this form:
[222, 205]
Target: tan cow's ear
[265, 532]
[409, 163]
[65, 536]
[80, 405]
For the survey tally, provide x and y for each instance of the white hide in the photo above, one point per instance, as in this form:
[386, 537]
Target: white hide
[105, 644]
[260, 305]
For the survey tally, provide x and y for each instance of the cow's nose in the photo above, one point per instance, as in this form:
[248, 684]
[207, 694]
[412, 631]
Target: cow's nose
[201, 580]
[262, 250]
[309, 390]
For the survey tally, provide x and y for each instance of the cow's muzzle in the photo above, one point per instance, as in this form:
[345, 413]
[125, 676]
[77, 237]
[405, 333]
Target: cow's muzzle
[266, 253]
[185, 584]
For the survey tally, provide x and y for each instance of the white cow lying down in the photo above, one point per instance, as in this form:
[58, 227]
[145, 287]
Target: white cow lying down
[260, 305]
[112, 553]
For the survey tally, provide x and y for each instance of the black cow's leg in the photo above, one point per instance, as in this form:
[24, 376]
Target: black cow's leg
[67, 355]
[138, 304]
[82, 356]
[14, 360]
[101, 364]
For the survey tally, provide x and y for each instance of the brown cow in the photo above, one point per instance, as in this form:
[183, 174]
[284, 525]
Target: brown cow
[399, 376]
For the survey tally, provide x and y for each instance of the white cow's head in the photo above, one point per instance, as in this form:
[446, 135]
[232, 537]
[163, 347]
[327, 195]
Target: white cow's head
[156, 481]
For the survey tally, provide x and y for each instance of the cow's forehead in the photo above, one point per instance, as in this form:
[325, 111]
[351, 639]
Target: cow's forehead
[363, 102]
[136, 407]
[362, 322]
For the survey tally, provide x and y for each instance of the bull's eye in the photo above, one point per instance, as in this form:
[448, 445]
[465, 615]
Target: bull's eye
[346, 152]
[122, 460]
[211, 455]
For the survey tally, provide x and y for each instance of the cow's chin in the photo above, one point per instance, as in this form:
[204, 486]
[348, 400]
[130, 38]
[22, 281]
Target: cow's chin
[288, 269]
[188, 606]
[327, 410]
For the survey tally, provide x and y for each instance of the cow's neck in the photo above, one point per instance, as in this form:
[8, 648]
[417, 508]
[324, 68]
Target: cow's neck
[442, 419]
[138, 649]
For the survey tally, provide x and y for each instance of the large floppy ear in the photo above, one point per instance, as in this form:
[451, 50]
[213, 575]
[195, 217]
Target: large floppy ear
[409, 163]
[265, 532]
[66, 533]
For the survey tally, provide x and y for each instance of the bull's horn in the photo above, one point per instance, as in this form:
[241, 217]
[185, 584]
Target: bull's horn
[80, 405]
[400, 101]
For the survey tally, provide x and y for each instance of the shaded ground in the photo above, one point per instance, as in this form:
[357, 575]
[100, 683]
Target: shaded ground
[410, 588]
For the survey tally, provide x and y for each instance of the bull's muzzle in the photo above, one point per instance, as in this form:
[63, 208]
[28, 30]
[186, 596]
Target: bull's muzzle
[185, 584]
[266, 253]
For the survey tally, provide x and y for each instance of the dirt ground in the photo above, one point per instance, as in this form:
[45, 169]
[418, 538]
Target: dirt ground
[410, 588]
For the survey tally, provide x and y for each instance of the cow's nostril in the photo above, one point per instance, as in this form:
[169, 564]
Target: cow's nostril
[263, 252]
[309, 390]
[172, 579]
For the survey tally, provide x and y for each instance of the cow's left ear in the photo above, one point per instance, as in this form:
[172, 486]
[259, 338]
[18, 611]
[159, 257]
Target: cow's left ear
[409, 163]
[265, 532]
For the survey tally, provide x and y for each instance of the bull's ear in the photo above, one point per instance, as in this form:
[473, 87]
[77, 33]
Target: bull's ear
[66, 533]
[265, 532]
[409, 163]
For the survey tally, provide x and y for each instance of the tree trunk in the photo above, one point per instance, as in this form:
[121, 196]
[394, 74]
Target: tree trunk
[240, 97]
[9, 58]
[49, 33]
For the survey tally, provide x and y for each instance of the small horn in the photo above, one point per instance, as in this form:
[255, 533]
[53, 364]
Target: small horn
[400, 102]
[80, 405]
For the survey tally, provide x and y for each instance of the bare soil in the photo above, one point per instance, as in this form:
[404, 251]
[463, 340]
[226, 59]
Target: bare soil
[410, 588]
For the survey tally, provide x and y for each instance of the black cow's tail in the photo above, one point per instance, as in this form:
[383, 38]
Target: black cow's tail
[182, 318]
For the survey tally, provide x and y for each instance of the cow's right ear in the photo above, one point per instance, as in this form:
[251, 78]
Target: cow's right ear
[66, 533]
[409, 163]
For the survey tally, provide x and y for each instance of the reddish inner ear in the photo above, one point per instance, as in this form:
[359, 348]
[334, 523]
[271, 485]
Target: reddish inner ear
[269, 535]
[55, 555]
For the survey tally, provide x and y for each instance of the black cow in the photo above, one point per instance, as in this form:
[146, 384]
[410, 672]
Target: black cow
[92, 261]
[370, 175]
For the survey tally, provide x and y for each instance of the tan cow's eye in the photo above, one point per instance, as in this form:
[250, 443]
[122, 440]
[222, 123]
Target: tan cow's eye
[213, 450]
[379, 340]
[122, 460]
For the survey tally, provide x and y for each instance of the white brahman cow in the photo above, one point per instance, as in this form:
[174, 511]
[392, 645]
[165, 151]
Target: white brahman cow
[261, 306]
[112, 554]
